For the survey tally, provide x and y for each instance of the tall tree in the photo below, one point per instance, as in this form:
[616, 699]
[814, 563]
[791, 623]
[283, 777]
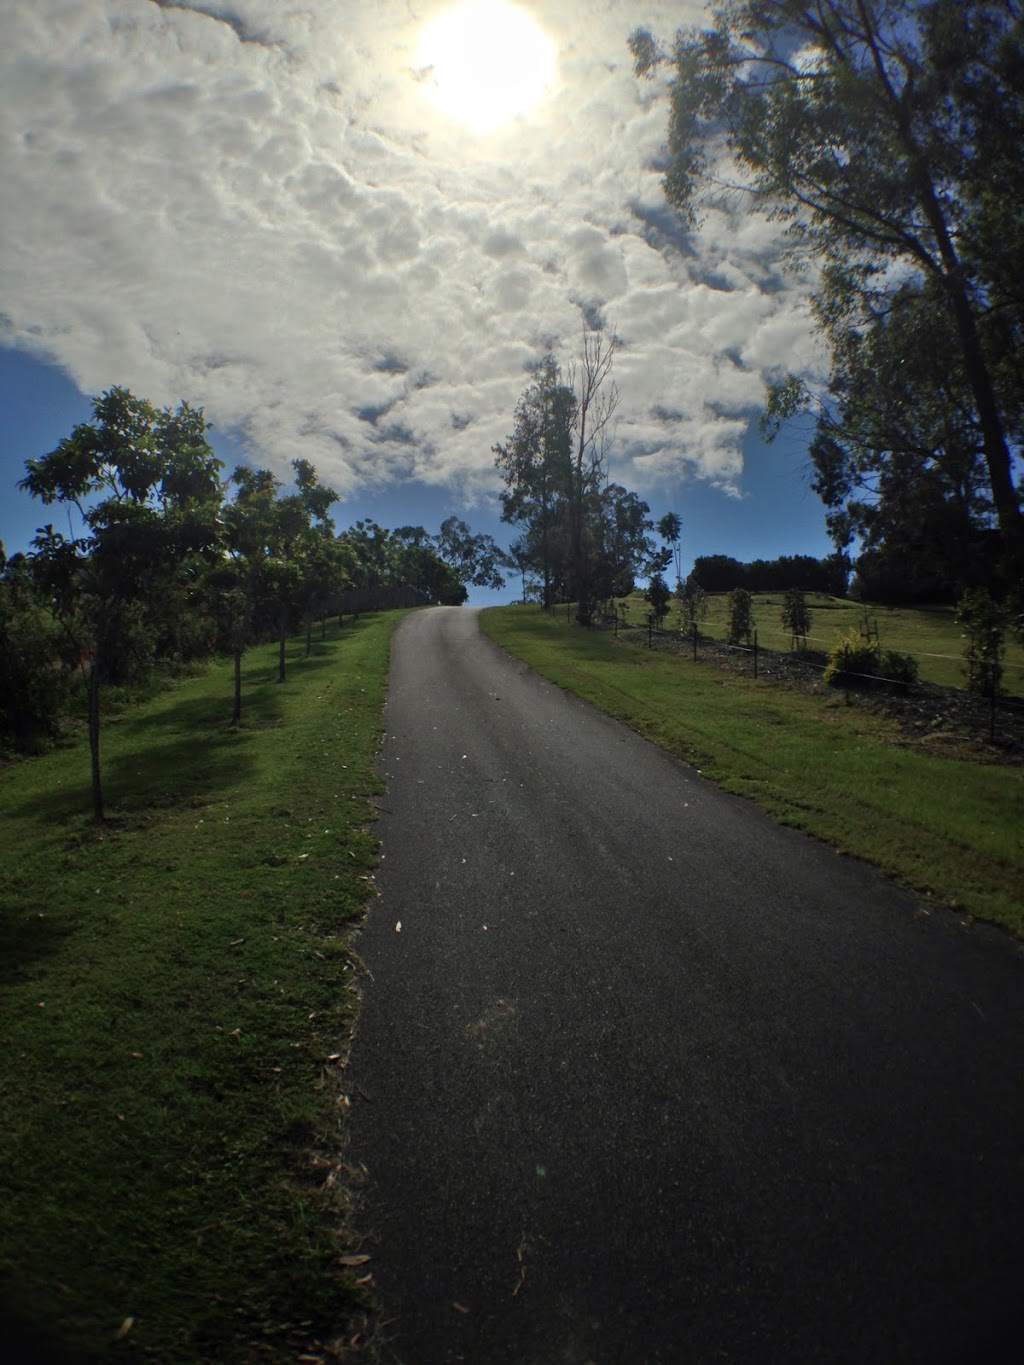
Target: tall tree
[873, 128]
[146, 487]
[535, 463]
[597, 399]
[554, 468]
[670, 528]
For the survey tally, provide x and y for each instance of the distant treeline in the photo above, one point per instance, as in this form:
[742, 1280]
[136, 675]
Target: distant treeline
[722, 573]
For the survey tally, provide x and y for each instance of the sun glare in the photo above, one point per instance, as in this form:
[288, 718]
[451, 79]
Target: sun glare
[484, 62]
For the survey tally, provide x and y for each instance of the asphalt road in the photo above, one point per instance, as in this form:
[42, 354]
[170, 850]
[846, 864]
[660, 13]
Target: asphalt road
[642, 1077]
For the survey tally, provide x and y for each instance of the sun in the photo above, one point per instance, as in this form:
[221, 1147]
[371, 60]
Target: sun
[484, 62]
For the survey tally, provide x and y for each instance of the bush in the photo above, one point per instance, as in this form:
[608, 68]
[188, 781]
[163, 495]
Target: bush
[899, 670]
[34, 682]
[855, 661]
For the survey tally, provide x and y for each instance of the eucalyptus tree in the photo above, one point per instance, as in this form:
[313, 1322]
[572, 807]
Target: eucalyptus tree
[476, 559]
[555, 470]
[535, 462]
[886, 135]
[597, 399]
[625, 547]
[146, 488]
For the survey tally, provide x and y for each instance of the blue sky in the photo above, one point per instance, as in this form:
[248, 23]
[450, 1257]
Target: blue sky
[284, 215]
[775, 512]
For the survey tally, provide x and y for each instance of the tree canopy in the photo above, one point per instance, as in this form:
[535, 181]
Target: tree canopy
[886, 135]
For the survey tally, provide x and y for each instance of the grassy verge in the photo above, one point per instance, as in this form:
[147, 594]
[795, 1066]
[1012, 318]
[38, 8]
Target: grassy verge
[176, 996]
[951, 828]
[931, 634]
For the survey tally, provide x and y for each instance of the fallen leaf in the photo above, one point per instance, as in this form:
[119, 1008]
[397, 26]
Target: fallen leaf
[353, 1260]
[124, 1329]
[459, 1307]
[398, 927]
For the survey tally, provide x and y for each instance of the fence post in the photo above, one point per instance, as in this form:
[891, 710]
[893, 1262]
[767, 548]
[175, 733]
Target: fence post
[755, 655]
[694, 641]
[846, 672]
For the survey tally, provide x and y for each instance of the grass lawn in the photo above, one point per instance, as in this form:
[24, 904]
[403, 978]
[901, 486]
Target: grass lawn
[176, 997]
[931, 634]
[951, 828]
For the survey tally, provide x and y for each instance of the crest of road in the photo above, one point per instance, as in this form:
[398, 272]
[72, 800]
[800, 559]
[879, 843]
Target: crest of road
[641, 1076]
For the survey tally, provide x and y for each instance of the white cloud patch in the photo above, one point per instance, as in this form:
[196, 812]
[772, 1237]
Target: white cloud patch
[255, 207]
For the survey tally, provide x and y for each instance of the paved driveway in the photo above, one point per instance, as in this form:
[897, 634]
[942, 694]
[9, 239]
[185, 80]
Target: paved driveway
[649, 1078]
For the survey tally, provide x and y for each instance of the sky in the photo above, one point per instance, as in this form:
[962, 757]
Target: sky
[348, 230]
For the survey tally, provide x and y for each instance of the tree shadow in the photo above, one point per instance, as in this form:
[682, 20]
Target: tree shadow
[24, 939]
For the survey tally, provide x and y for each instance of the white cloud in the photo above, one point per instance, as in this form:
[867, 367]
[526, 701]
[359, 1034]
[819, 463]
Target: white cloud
[255, 207]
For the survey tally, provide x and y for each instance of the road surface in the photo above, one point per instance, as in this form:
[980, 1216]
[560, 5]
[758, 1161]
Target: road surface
[642, 1077]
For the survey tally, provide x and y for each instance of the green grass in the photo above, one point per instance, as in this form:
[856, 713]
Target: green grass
[931, 634]
[176, 998]
[951, 828]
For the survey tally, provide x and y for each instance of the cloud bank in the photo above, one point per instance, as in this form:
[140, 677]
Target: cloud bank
[252, 205]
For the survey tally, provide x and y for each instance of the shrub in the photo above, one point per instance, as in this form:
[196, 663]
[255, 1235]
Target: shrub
[852, 661]
[855, 661]
[984, 623]
[694, 600]
[659, 594]
[899, 670]
[741, 616]
[796, 617]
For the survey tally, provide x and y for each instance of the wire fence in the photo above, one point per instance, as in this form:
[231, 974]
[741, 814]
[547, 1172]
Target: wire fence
[994, 702]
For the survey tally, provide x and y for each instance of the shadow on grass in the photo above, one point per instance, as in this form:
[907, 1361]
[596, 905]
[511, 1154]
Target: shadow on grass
[181, 746]
[26, 938]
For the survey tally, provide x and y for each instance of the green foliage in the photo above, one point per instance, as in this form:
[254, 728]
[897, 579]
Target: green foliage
[885, 137]
[584, 538]
[670, 528]
[35, 677]
[659, 594]
[722, 573]
[146, 487]
[796, 616]
[475, 559]
[695, 602]
[741, 617]
[858, 661]
[984, 624]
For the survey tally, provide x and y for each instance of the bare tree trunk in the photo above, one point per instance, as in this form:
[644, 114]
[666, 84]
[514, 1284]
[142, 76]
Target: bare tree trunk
[282, 625]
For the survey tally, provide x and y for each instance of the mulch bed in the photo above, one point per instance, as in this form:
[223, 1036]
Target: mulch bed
[942, 720]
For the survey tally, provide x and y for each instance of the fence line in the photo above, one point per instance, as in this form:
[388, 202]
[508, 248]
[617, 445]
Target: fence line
[1009, 703]
[820, 639]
